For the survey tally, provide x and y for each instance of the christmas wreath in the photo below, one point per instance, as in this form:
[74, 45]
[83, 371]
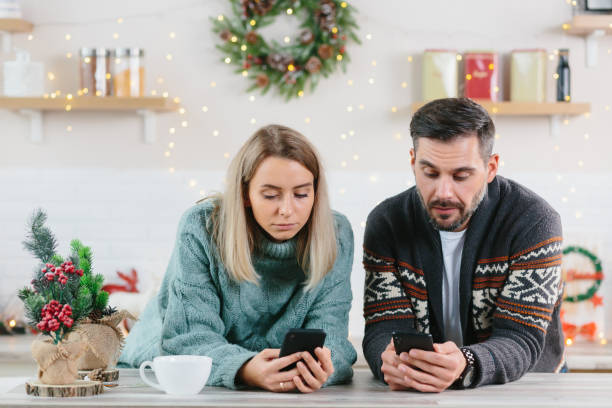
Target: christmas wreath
[320, 47]
[598, 276]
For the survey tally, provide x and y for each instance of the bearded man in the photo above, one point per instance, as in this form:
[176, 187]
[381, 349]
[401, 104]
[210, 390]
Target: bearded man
[466, 255]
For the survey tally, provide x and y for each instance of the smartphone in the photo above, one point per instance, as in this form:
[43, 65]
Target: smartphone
[297, 340]
[404, 341]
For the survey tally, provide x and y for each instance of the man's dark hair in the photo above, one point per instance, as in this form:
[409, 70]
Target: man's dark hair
[450, 118]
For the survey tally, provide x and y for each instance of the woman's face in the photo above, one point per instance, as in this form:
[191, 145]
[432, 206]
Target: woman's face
[281, 195]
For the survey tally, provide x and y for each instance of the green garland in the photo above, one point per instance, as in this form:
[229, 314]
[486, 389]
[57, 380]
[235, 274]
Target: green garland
[319, 50]
[596, 263]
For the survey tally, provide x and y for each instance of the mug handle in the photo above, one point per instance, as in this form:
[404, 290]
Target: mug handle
[144, 378]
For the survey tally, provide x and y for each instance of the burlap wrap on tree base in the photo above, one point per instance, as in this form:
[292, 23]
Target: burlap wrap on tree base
[57, 363]
[104, 341]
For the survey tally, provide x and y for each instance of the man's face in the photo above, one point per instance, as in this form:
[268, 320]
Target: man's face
[451, 179]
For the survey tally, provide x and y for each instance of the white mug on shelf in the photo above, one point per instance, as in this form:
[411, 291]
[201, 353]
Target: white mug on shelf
[179, 375]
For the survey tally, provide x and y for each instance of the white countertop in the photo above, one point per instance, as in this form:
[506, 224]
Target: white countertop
[533, 390]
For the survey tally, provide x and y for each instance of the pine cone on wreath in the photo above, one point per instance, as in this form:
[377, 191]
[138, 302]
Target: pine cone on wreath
[325, 15]
[259, 7]
[325, 51]
[279, 62]
[251, 37]
[262, 80]
[313, 65]
[306, 37]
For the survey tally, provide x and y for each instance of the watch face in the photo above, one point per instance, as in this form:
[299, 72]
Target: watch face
[468, 377]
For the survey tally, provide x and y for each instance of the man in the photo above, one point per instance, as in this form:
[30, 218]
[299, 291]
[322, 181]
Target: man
[466, 255]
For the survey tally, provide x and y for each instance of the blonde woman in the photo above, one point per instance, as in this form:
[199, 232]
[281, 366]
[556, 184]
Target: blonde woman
[266, 256]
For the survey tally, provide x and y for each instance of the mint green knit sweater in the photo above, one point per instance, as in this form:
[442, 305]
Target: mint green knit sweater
[200, 310]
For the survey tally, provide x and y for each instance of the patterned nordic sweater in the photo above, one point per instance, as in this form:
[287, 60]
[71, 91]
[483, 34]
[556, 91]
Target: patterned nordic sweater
[199, 310]
[510, 281]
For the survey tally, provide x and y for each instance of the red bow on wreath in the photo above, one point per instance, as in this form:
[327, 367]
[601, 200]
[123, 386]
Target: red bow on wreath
[588, 330]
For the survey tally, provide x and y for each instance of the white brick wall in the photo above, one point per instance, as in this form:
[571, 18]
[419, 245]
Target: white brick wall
[129, 218]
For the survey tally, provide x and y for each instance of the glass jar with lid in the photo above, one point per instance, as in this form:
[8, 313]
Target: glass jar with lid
[128, 72]
[94, 71]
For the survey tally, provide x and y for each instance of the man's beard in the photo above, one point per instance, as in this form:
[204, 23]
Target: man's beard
[464, 214]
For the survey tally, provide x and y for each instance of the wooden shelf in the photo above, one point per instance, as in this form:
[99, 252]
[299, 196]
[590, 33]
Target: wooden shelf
[591, 27]
[588, 23]
[34, 108]
[88, 103]
[15, 25]
[528, 108]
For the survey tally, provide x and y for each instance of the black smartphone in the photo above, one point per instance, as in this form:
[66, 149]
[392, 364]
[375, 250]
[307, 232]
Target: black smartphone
[404, 341]
[297, 340]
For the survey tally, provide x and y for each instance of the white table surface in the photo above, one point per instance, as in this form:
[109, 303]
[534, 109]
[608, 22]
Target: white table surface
[533, 390]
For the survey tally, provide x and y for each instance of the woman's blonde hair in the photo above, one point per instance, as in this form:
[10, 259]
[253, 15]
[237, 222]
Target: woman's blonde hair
[235, 228]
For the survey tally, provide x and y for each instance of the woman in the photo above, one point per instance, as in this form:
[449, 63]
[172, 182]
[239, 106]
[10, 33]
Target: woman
[267, 256]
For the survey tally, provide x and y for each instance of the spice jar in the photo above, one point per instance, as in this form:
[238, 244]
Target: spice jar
[95, 71]
[128, 72]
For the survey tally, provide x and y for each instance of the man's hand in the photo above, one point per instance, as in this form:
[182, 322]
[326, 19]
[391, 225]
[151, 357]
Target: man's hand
[392, 375]
[425, 371]
[439, 369]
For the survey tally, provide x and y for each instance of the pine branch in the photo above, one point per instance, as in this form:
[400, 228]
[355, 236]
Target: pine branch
[40, 241]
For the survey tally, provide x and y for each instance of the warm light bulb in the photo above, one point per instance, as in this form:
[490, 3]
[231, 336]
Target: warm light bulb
[215, 133]
[12, 323]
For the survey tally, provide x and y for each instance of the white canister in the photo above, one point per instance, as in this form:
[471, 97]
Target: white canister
[10, 9]
[23, 77]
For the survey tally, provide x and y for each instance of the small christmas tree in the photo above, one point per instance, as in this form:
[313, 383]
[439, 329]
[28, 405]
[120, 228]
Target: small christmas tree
[62, 292]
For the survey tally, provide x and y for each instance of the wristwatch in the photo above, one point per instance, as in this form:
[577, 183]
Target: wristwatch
[468, 375]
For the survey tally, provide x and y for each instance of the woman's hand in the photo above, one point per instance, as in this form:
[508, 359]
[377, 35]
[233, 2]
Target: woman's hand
[313, 374]
[264, 371]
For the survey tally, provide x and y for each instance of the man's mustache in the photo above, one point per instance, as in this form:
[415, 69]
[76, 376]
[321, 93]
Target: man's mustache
[445, 204]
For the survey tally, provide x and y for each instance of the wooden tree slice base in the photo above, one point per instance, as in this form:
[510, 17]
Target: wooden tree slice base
[79, 388]
[105, 376]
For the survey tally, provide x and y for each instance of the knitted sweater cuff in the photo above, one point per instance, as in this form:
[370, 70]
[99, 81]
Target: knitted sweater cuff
[485, 365]
[229, 367]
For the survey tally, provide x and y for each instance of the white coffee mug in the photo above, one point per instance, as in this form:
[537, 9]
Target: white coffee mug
[179, 375]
